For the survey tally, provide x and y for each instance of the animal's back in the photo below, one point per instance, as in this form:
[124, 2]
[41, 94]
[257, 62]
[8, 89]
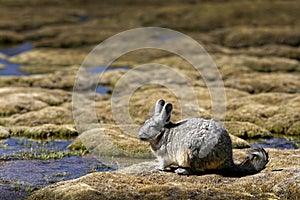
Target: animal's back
[207, 143]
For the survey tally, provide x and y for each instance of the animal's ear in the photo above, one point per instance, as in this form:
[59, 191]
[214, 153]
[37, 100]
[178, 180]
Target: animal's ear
[166, 113]
[159, 106]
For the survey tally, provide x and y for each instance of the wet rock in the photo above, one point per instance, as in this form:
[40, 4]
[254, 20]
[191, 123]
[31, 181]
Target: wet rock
[4, 133]
[142, 181]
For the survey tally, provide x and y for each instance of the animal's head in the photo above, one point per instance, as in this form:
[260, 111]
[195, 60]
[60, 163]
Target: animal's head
[153, 126]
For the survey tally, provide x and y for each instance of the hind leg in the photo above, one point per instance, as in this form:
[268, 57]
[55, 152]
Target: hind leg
[183, 171]
[184, 167]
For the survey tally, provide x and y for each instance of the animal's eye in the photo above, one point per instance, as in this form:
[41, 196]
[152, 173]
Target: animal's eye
[153, 126]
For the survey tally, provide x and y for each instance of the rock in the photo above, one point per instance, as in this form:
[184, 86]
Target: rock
[47, 115]
[19, 100]
[4, 133]
[143, 182]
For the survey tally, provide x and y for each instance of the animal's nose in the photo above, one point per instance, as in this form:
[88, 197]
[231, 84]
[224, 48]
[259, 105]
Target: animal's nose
[142, 136]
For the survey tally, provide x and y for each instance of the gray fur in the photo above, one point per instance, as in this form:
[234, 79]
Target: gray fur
[195, 145]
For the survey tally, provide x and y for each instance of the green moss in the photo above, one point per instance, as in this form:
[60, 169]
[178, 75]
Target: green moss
[246, 130]
[44, 131]
[42, 154]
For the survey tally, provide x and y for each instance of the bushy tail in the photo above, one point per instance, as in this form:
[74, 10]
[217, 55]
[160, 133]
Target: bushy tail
[254, 163]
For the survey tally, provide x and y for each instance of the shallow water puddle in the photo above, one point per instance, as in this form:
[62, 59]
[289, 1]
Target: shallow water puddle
[12, 69]
[24, 148]
[19, 174]
[277, 143]
[17, 50]
[100, 89]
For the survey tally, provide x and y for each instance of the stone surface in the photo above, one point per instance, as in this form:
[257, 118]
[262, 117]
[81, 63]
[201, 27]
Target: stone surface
[143, 182]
